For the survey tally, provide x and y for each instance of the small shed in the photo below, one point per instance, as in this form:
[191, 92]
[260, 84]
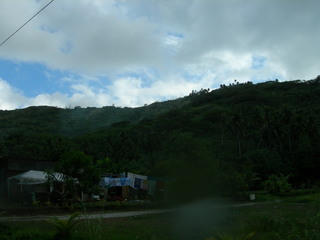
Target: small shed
[29, 186]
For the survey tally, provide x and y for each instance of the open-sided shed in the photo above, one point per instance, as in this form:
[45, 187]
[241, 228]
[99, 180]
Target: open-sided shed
[25, 186]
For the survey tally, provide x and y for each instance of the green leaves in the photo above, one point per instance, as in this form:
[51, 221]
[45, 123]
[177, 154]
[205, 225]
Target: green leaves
[227, 236]
[78, 169]
[277, 184]
[64, 227]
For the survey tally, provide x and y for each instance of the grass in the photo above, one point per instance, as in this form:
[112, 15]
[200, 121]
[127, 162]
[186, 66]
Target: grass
[142, 227]
[295, 217]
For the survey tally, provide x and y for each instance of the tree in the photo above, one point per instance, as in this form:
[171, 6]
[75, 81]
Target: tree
[78, 170]
[237, 124]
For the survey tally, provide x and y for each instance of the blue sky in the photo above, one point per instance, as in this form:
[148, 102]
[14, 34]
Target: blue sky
[95, 53]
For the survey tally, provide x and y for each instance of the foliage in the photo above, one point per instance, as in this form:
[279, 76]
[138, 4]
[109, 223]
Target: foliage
[277, 184]
[8, 232]
[78, 170]
[4, 230]
[64, 227]
[51, 178]
[223, 137]
[226, 236]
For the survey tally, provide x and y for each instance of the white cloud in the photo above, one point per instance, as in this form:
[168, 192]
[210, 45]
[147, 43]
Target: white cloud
[82, 38]
[173, 41]
[129, 91]
[285, 30]
[169, 47]
[10, 98]
[82, 95]
[55, 99]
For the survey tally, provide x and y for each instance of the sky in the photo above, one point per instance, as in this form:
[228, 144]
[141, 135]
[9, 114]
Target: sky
[128, 53]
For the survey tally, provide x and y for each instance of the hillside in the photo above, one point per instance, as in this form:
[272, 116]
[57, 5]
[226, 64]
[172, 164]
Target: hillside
[77, 121]
[237, 135]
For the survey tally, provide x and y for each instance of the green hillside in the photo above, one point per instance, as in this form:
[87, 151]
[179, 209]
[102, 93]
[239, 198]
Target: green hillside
[237, 136]
[77, 121]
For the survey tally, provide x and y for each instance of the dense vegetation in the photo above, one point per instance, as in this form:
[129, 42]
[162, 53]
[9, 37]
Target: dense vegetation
[223, 141]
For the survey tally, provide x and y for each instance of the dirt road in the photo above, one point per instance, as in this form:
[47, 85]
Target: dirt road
[84, 216]
[121, 214]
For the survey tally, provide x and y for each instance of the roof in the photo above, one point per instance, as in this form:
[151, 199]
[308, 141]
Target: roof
[33, 177]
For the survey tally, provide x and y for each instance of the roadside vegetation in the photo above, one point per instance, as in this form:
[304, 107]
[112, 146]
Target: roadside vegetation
[293, 216]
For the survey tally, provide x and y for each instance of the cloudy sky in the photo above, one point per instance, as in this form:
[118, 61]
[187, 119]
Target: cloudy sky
[135, 52]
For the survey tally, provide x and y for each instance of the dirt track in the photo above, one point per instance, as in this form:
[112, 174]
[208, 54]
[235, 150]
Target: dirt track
[84, 216]
[111, 215]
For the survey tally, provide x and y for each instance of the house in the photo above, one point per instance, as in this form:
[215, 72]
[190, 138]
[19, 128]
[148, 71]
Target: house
[134, 187]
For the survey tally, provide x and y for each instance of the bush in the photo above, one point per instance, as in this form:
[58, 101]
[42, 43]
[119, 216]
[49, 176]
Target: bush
[277, 184]
[64, 227]
[4, 230]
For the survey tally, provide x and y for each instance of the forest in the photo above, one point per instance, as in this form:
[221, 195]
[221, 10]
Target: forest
[212, 142]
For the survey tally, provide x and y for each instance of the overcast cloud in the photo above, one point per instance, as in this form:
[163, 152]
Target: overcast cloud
[135, 52]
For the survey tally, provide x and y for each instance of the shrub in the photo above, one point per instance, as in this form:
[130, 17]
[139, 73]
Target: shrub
[4, 230]
[277, 184]
[64, 227]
